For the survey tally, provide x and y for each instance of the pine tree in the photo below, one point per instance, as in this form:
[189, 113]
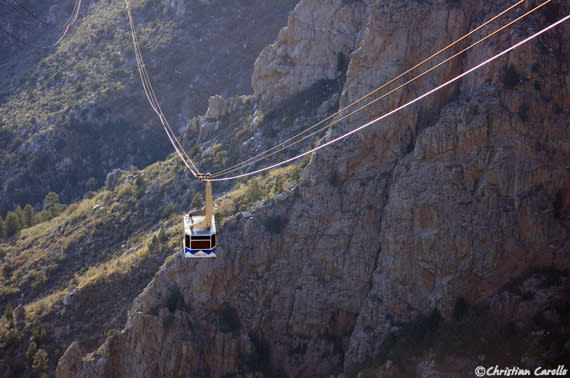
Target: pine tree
[154, 245]
[162, 237]
[28, 217]
[20, 213]
[12, 224]
[39, 334]
[140, 184]
[91, 185]
[52, 207]
[220, 159]
[40, 361]
[50, 200]
[9, 312]
[32, 349]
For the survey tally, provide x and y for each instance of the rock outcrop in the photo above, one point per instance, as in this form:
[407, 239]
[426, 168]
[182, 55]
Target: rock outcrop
[315, 44]
[454, 197]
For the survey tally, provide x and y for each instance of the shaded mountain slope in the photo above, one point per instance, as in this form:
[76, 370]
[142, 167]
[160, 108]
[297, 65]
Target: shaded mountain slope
[77, 111]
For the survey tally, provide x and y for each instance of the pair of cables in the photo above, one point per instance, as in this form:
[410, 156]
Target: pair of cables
[23, 10]
[409, 103]
[351, 109]
[343, 113]
[153, 100]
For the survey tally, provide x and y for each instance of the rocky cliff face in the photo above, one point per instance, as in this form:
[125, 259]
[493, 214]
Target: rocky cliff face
[452, 198]
[315, 44]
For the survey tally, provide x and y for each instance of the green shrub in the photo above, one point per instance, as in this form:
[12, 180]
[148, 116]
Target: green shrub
[422, 327]
[273, 223]
[341, 62]
[551, 12]
[196, 149]
[243, 133]
[126, 193]
[523, 111]
[460, 309]
[220, 159]
[511, 78]
[278, 185]
[333, 179]
[158, 243]
[40, 361]
[32, 349]
[305, 161]
[259, 358]
[168, 210]
[229, 319]
[112, 332]
[254, 192]
[413, 335]
[174, 300]
[219, 218]
[140, 186]
[39, 335]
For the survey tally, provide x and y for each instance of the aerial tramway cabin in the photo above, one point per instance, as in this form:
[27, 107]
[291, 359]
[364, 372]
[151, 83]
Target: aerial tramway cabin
[200, 230]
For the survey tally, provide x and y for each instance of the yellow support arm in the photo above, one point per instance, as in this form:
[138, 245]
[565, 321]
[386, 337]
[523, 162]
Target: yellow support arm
[208, 209]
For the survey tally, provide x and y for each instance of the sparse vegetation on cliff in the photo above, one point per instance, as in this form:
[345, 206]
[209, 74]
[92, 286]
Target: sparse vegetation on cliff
[94, 249]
